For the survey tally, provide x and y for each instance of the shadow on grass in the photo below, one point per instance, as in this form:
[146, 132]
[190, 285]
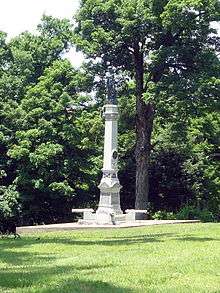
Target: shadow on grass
[43, 277]
[111, 241]
[143, 236]
[27, 269]
[13, 251]
[19, 243]
[20, 258]
[27, 276]
[198, 239]
[80, 286]
[8, 244]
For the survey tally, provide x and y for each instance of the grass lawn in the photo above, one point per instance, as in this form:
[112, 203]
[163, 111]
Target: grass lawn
[169, 258]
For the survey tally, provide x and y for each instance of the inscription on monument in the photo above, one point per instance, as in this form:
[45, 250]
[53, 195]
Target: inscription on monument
[115, 199]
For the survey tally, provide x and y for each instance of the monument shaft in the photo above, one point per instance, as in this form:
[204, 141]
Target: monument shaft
[109, 204]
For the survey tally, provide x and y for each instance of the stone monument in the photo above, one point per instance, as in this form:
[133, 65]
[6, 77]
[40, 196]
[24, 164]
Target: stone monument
[109, 209]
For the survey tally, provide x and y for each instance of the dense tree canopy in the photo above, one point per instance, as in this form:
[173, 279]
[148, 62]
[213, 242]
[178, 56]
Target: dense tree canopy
[45, 154]
[159, 44]
[164, 56]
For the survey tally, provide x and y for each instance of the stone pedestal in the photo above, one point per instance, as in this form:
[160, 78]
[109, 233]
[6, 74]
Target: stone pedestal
[109, 210]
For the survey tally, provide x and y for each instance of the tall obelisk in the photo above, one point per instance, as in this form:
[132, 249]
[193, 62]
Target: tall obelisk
[109, 209]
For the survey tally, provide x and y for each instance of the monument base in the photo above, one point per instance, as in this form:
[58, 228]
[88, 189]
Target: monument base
[109, 209]
[108, 216]
[103, 217]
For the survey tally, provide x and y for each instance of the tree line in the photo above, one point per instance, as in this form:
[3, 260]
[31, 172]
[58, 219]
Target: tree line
[164, 56]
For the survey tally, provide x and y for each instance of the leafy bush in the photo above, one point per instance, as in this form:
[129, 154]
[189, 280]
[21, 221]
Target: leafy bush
[187, 212]
[8, 202]
[190, 212]
[206, 216]
[163, 215]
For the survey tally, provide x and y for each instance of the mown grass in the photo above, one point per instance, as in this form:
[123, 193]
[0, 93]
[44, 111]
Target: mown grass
[171, 258]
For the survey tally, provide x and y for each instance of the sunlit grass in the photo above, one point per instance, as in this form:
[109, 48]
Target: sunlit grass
[172, 258]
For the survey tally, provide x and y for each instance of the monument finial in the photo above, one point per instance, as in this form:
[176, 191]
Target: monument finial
[111, 91]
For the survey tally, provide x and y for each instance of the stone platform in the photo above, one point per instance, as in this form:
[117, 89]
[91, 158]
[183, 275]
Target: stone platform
[77, 226]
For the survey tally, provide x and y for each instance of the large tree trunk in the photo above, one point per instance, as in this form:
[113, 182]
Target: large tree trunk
[144, 126]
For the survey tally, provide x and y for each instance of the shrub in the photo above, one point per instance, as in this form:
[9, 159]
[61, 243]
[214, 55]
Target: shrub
[190, 212]
[206, 216]
[8, 202]
[163, 215]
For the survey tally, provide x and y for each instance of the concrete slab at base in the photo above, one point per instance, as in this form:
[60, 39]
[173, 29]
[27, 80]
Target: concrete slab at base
[78, 226]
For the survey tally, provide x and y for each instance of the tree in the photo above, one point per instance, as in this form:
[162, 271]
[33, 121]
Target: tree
[151, 42]
[51, 146]
[203, 166]
[44, 152]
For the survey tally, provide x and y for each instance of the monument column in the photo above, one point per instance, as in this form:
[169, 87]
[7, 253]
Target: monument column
[109, 209]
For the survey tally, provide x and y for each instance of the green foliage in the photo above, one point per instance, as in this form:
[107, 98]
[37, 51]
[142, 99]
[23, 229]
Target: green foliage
[51, 160]
[171, 34]
[45, 151]
[203, 167]
[163, 215]
[190, 212]
[8, 202]
[52, 148]
[173, 48]
[170, 189]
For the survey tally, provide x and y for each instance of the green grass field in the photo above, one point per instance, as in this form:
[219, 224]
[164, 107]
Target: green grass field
[171, 258]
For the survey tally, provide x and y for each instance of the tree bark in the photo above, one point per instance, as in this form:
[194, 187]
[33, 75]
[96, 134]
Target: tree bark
[144, 120]
[144, 126]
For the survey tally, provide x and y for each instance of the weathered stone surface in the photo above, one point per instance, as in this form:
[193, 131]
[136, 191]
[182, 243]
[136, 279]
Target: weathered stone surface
[133, 215]
[88, 214]
[109, 204]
